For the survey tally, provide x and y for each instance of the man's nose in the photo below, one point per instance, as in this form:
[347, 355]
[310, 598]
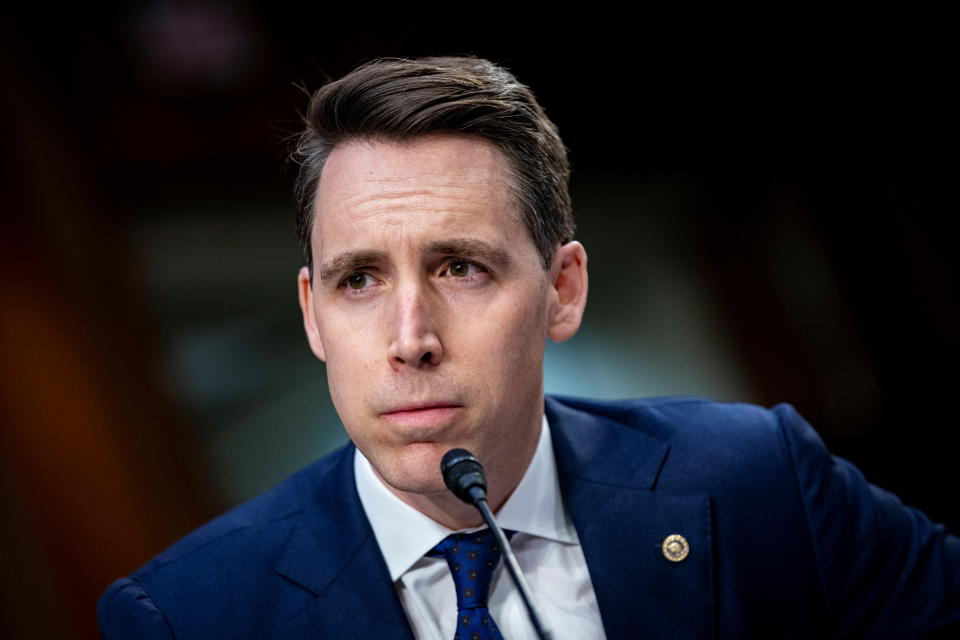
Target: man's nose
[415, 341]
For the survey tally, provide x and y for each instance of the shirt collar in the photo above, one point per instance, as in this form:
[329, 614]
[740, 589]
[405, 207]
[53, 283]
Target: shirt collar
[405, 535]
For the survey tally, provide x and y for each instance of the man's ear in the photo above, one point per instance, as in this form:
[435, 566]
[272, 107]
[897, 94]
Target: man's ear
[309, 316]
[569, 280]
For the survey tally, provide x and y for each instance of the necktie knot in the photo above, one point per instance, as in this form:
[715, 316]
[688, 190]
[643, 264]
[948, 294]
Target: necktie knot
[472, 558]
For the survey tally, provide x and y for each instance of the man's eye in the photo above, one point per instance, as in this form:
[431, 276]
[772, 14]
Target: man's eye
[461, 269]
[358, 280]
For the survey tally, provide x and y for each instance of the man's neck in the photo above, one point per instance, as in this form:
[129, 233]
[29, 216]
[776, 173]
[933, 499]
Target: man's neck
[444, 508]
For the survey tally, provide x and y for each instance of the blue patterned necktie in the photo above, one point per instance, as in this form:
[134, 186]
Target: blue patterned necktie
[472, 558]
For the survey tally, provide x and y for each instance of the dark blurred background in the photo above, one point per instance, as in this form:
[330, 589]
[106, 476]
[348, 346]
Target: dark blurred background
[767, 202]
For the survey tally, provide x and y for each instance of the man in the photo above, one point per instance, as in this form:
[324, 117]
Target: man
[437, 230]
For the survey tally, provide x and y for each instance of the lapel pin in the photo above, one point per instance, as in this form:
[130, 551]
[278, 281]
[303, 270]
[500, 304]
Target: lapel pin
[675, 548]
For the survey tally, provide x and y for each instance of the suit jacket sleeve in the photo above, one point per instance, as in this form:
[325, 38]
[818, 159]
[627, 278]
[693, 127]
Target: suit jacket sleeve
[127, 611]
[886, 570]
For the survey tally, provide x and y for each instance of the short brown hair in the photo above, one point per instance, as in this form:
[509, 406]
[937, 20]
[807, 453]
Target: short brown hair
[398, 99]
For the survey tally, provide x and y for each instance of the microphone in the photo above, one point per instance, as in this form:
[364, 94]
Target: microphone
[463, 475]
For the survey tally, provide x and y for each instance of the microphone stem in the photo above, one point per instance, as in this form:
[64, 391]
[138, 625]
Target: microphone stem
[511, 561]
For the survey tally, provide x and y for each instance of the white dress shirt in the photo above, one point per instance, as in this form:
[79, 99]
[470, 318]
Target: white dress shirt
[546, 546]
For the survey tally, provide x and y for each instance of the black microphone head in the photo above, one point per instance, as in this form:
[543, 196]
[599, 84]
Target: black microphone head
[463, 475]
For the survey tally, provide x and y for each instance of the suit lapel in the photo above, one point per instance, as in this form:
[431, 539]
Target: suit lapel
[608, 472]
[333, 555]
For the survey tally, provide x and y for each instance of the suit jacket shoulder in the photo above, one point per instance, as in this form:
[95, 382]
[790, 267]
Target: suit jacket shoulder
[255, 570]
[793, 540]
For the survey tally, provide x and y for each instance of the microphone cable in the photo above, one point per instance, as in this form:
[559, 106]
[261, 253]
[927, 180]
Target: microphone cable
[463, 475]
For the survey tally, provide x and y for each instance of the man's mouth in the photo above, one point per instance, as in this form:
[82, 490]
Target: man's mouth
[422, 415]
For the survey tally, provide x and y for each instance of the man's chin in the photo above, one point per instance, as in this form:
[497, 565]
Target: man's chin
[421, 487]
[415, 471]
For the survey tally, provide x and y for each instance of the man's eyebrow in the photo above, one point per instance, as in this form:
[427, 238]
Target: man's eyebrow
[348, 261]
[470, 248]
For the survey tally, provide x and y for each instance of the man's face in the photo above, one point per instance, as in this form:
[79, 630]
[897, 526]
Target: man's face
[430, 306]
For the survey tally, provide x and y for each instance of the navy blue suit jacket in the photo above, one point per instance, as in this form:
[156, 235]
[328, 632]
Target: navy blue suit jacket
[785, 541]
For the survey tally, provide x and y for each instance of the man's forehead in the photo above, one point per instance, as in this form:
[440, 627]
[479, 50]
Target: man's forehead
[432, 188]
[441, 157]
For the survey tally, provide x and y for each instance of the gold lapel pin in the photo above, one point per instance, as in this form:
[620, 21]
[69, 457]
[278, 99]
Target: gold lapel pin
[675, 548]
